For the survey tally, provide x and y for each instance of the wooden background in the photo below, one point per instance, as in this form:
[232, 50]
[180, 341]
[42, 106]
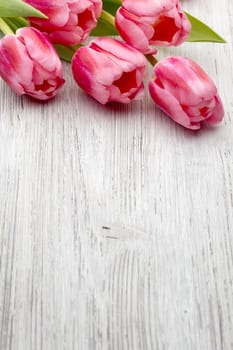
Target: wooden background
[116, 224]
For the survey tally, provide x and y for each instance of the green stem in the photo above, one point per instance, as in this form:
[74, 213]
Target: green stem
[151, 59]
[107, 17]
[4, 28]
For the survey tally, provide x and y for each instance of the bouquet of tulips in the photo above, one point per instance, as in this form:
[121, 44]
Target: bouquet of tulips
[38, 33]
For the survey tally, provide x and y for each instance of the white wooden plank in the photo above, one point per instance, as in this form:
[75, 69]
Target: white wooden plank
[115, 223]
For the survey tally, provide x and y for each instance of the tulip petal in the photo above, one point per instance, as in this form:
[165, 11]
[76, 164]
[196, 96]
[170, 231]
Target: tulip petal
[13, 60]
[148, 7]
[218, 112]
[133, 32]
[119, 50]
[170, 105]
[39, 48]
[194, 84]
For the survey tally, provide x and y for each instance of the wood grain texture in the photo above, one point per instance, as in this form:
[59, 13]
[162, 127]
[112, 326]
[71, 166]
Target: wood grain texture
[116, 225]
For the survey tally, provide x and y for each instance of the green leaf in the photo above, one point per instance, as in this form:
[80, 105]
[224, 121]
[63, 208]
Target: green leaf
[106, 25]
[66, 52]
[111, 6]
[103, 29]
[16, 8]
[5, 28]
[119, 2]
[16, 22]
[201, 32]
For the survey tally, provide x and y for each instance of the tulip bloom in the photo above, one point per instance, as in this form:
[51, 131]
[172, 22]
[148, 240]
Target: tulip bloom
[185, 92]
[151, 22]
[69, 21]
[30, 65]
[109, 70]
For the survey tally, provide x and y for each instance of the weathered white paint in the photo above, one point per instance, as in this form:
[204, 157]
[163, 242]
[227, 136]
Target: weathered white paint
[116, 225]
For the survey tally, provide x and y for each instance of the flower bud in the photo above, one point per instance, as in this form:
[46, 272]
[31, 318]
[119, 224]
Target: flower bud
[185, 92]
[143, 23]
[109, 70]
[30, 65]
[69, 22]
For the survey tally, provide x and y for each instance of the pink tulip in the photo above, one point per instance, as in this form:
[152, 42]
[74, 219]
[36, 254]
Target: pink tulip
[69, 21]
[109, 70]
[185, 92]
[152, 22]
[30, 65]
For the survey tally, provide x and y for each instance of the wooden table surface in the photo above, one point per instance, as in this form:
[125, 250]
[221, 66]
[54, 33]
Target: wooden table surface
[116, 224]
